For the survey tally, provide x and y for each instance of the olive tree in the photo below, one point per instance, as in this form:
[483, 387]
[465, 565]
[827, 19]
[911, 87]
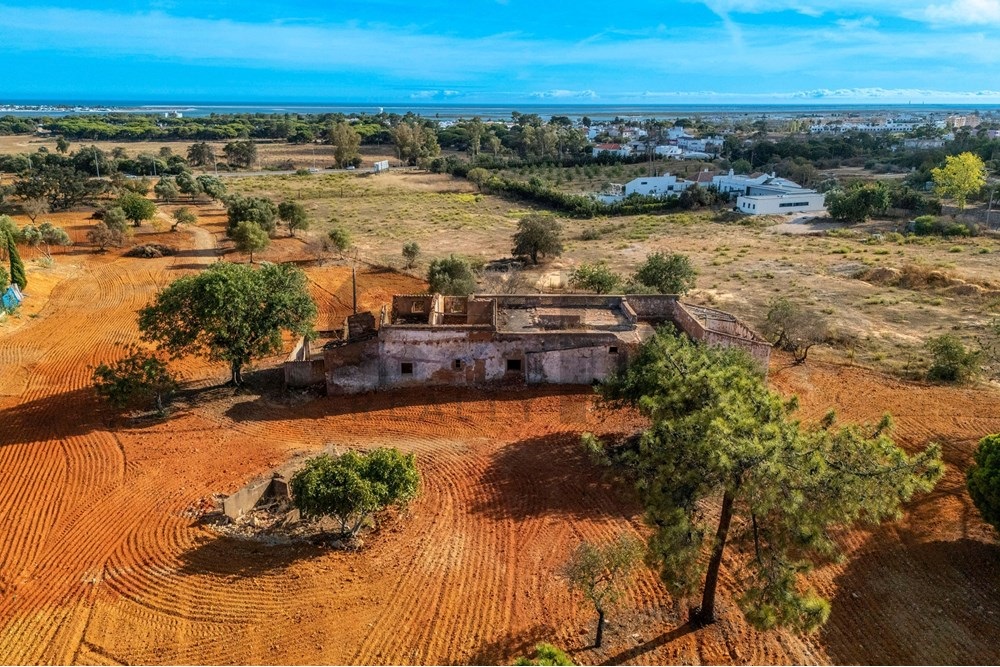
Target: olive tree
[666, 273]
[136, 207]
[138, 379]
[183, 216]
[249, 238]
[294, 215]
[538, 235]
[411, 250]
[794, 329]
[45, 234]
[103, 236]
[451, 276]
[353, 487]
[599, 572]
[231, 313]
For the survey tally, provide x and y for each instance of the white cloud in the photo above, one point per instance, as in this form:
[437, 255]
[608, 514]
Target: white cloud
[858, 24]
[964, 12]
[908, 94]
[434, 94]
[950, 12]
[844, 95]
[560, 94]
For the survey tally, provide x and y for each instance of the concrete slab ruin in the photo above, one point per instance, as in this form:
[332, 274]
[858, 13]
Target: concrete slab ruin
[430, 339]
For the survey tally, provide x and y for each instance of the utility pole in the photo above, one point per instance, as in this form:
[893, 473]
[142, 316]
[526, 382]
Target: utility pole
[354, 285]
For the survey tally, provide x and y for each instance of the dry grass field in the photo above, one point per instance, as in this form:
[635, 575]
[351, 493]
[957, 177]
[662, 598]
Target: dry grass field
[104, 559]
[741, 267]
[270, 154]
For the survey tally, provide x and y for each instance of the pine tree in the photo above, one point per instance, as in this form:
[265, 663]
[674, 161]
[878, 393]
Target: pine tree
[718, 433]
[17, 274]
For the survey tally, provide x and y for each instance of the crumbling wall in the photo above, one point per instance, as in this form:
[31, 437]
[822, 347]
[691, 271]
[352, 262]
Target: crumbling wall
[352, 368]
[716, 331]
[482, 311]
[554, 300]
[259, 491]
[360, 325]
[652, 307]
[412, 309]
[582, 365]
[300, 370]
[469, 356]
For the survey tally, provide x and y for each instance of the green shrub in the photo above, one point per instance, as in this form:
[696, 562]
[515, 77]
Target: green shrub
[545, 654]
[983, 479]
[352, 487]
[340, 239]
[950, 360]
[666, 273]
[596, 278]
[135, 380]
[451, 276]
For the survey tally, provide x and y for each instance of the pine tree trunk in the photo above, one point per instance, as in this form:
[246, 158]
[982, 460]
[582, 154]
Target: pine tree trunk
[706, 613]
[600, 628]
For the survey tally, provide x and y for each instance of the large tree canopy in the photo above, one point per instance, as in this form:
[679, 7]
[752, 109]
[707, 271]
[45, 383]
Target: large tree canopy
[230, 312]
[961, 176]
[538, 235]
[718, 434]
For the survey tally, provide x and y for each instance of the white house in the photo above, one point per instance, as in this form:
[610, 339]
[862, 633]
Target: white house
[768, 194]
[676, 133]
[733, 183]
[657, 186]
[614, 149]
[806, 201]
[701, 145]
[669, 151]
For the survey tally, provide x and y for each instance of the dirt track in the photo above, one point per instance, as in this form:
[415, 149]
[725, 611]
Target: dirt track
[101, 560]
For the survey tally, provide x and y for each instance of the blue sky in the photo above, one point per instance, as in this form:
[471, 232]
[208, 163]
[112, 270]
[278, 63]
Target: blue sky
[502, 51]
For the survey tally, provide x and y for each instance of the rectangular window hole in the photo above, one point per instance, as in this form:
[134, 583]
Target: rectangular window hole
[613, 349]
[406, 368]
[513, 365]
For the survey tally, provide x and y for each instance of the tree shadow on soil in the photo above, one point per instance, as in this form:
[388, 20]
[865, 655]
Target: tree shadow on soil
[80, 411]
[231, 558]
[549, 475]
[62, 415]
[459, 402]
[923, 603]
[504, 650]
[637, 652]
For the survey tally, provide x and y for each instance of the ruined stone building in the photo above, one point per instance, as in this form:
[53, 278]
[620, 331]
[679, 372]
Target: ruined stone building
[426, 340]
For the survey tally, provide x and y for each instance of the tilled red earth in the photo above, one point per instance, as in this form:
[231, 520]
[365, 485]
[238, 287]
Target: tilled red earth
[102, 559]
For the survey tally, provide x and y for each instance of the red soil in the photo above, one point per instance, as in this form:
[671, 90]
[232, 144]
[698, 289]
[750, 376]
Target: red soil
[101, 560]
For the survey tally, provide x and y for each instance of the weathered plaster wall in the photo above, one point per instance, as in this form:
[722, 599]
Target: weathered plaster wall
[581, 365]
[466, 356]
[352, 368]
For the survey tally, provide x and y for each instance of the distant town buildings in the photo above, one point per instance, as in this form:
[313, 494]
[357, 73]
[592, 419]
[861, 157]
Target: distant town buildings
[760, 194]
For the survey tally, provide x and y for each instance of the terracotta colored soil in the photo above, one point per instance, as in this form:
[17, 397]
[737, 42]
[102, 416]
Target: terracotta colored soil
[102, 560]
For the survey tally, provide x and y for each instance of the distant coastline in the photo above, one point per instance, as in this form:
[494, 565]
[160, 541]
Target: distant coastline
[487, 111]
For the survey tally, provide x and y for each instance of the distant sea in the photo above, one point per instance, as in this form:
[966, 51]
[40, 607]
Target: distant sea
[491, 112]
